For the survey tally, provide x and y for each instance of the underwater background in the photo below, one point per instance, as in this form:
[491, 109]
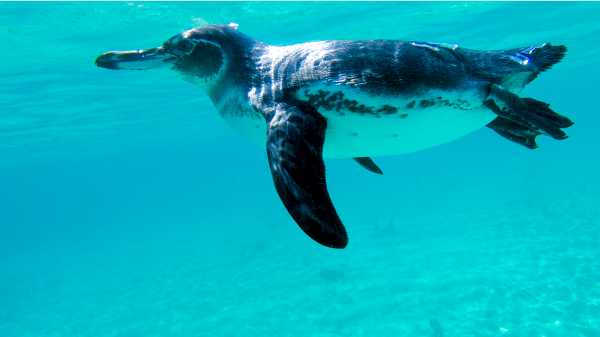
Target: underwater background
[129, 208]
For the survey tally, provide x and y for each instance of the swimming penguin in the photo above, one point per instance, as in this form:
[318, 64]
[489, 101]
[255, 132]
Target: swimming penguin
[353, 99]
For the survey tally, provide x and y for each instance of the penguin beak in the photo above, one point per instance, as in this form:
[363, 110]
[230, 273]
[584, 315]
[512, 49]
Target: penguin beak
[135, 59]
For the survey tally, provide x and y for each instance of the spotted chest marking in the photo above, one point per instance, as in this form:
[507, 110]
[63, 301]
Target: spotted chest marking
[336, 101]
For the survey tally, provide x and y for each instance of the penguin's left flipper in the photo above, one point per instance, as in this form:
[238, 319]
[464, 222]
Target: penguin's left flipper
[527, 112]
[295, 138]
[368, 164]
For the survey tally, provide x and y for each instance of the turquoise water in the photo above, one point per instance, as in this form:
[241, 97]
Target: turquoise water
[129, 208]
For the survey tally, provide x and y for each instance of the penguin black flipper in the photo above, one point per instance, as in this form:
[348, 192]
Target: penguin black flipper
[295, 139]
[368, 164]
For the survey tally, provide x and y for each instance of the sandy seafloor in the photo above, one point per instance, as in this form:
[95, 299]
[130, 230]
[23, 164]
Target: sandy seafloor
[128, 208]
[512, 266]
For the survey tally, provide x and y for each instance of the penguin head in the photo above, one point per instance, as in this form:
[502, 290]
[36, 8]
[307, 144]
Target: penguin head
[203, 55]
[195, 56]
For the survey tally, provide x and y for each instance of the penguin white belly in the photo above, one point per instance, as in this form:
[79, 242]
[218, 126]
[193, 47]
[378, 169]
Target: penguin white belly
[365, 136]
[383, 126]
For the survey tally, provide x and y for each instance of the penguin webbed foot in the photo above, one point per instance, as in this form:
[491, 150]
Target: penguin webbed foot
[534, 115]
[514, 132]
[295, 139]
[543, 110]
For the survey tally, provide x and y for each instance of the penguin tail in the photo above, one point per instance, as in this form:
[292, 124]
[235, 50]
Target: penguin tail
[521, 66]
[540, 58]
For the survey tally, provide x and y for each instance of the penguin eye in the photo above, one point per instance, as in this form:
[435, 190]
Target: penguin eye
[184, 46]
